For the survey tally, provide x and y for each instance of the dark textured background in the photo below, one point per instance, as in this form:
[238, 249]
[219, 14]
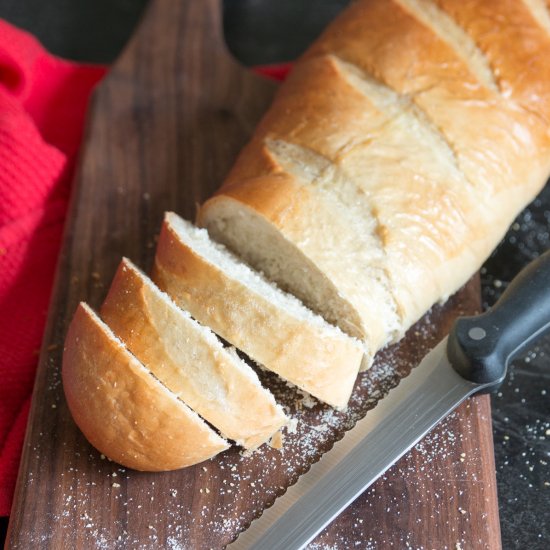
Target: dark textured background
[267, 31]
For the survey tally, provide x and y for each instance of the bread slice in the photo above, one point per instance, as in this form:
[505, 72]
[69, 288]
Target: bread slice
[189, 360]
[124, 411]
[272, 327]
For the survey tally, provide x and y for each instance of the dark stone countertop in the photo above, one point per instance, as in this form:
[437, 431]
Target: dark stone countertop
[264, 31]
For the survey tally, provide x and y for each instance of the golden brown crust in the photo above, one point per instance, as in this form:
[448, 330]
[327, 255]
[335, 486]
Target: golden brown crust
[122, 410]
[496, 135]
[387, 41]
[323, 364]
[516, 45]
[225, 392]
[441, 166]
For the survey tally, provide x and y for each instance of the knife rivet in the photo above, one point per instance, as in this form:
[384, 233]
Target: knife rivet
[477, 333]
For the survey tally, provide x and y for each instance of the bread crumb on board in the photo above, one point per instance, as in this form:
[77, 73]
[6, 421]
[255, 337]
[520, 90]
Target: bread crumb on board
[277, 441]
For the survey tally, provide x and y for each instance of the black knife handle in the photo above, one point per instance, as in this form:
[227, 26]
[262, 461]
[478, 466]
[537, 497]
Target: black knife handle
[481, 347]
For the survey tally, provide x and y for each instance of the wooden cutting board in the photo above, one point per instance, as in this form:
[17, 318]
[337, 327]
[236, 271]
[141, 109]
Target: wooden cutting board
[164, 127]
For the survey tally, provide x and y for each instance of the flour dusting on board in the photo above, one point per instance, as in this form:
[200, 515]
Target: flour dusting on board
[229, 491]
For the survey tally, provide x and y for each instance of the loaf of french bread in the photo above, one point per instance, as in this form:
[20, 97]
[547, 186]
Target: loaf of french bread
[394, 158]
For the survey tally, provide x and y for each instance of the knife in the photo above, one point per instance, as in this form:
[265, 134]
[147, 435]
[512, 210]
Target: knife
[472, 359]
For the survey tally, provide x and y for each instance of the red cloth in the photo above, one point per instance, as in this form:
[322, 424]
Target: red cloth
[42, 106]
[275, 71]
[43, 101]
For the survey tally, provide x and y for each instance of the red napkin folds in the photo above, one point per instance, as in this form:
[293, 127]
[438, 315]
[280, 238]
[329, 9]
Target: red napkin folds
[43, 102]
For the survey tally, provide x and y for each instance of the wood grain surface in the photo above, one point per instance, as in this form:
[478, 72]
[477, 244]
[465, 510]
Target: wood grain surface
[164, 127]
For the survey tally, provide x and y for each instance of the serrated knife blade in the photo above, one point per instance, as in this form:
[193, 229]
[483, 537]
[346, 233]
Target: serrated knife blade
[399, 421]
[472, 359]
